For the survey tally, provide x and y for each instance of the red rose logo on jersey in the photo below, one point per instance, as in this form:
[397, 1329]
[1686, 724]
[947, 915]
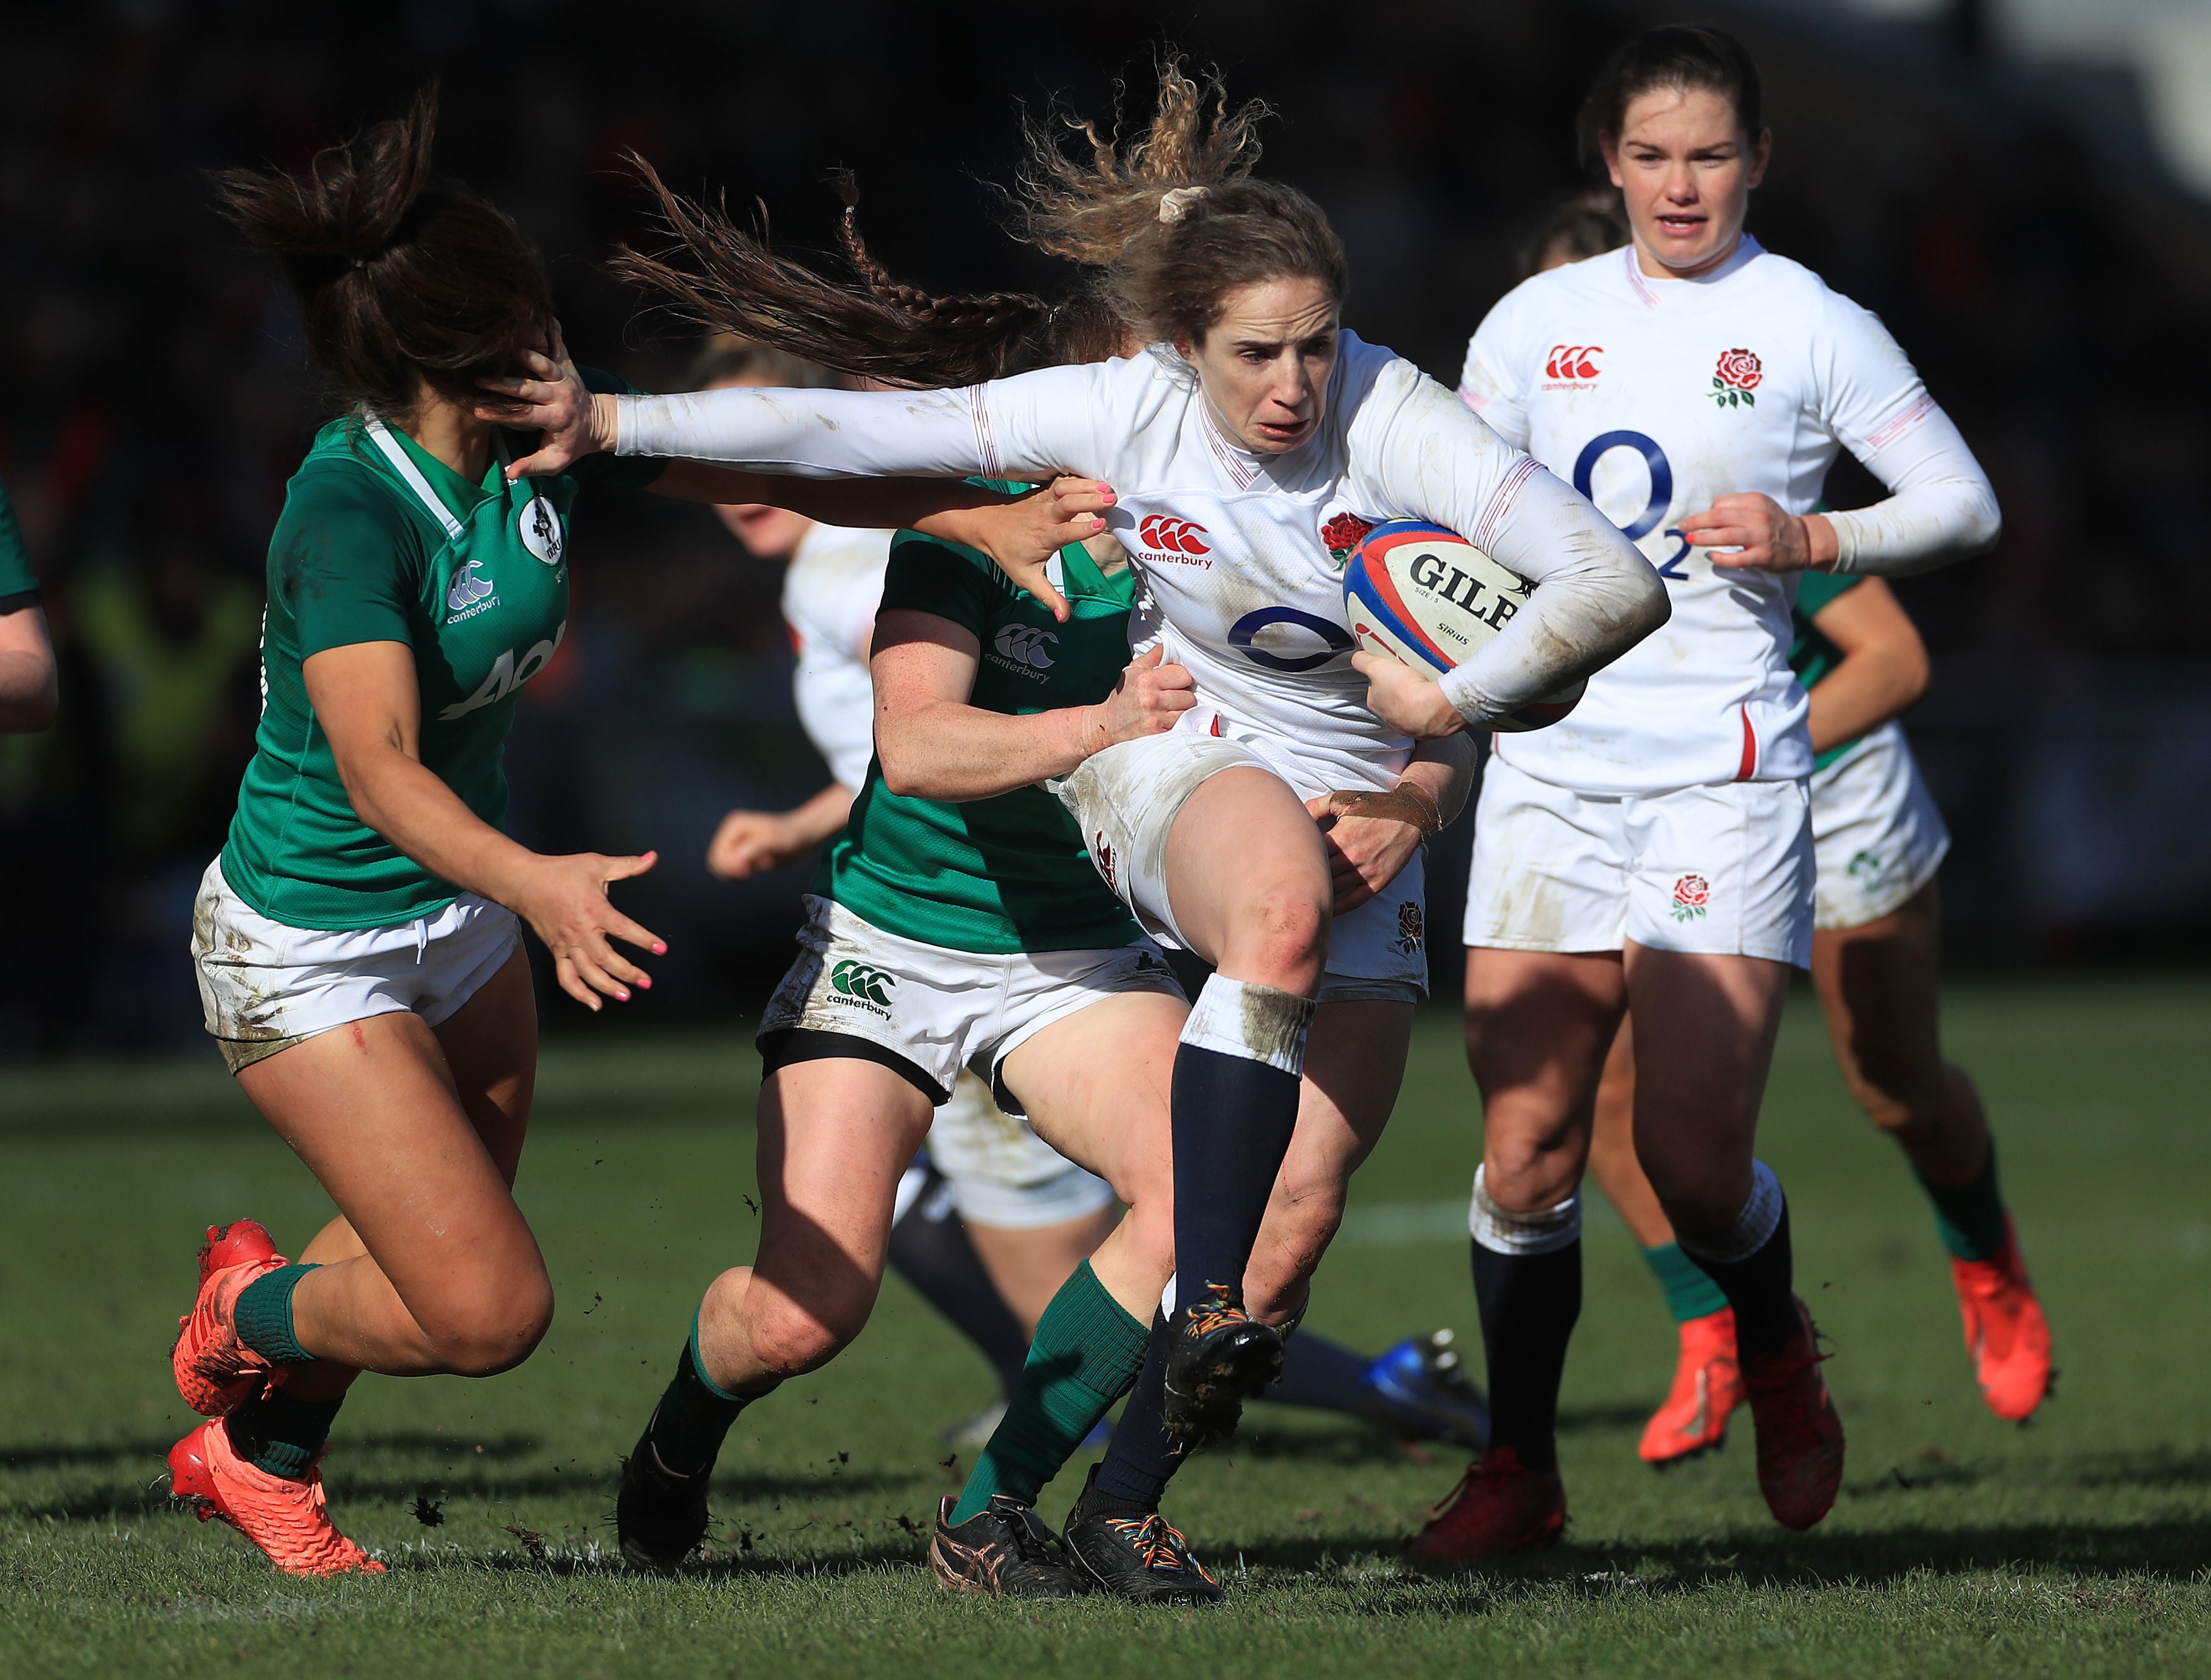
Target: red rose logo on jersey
[1691, 893]
[1735, 378]
[1412, 927]
[1571, 363]
[1102, 854]
[1167, 537]
[1343, 534]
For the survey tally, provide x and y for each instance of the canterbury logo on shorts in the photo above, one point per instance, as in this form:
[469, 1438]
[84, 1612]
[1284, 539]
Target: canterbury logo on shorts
[860, 980]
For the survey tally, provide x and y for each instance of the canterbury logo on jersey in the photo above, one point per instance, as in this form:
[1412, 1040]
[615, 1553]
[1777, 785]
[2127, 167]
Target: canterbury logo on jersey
[861, 981]
[1163, 533]
[508, 672]
[469, 586]
[1021, 645]
[1573, 362]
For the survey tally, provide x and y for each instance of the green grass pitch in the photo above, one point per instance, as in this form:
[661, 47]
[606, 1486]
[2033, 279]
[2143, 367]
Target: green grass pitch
[2079, 1546]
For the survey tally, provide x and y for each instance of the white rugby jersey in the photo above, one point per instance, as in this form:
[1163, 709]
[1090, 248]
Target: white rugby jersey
[1237, 578]
[830, 592]
[1656, 397]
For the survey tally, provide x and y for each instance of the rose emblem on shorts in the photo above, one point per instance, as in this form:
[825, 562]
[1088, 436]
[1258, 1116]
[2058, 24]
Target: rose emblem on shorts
[1691, 893]
[1342, 534]
[1736, 377]
[1412, 927]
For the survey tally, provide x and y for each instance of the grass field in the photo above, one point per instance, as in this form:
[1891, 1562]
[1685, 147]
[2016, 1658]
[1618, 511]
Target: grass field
[2079, 1546]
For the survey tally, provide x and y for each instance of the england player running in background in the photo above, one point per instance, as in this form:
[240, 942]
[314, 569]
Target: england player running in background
[1656, 847]
[29, 693]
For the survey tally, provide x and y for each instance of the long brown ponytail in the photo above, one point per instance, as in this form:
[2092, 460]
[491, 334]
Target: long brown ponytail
[400, 277]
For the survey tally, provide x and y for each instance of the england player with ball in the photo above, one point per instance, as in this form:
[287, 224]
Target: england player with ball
[1654, 847]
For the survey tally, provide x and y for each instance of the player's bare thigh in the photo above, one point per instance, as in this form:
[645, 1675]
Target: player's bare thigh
[1538, 1026]
[1247, 877]
[1880, 989]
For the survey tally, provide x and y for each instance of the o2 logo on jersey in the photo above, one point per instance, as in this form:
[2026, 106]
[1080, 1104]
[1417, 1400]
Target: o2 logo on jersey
[1286, 623]
[1165, 534]
[1660, 497]
[1572, 363]
[508, 674]
[1020, 645]
[539, 528]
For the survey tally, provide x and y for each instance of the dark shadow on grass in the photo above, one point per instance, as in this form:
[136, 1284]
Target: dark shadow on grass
[142, 1448]
[2167, 1550]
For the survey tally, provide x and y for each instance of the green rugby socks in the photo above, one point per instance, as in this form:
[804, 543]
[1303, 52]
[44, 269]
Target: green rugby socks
[262, 1315]
[1085, 1355]
[693, 1416]
[1969, 1217]
[1690, 1290]
[280, 1434]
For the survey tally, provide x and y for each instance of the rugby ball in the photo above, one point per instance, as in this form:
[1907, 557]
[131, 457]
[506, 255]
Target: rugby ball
[1429, 598]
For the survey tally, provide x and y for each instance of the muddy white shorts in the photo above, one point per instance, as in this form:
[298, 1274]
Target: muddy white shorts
[932, 1011]
[265, 986]
[1725, 869]
[1126, 800]
[1875, 829]
[1000, 1172]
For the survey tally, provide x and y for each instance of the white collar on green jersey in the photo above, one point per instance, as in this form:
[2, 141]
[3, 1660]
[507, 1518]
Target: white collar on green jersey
[404, 464]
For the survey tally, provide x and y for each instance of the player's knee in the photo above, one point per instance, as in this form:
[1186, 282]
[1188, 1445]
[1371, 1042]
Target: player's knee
[790, 1340]
[1282, 940]
[497, 1330]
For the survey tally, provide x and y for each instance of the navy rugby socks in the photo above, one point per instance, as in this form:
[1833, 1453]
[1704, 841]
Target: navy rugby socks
[1144, 1457]
[693, 1415]
[930, 1250]
[1754, 1267]
[1328, 1376]
[1235, 1104]
[1528, 1284]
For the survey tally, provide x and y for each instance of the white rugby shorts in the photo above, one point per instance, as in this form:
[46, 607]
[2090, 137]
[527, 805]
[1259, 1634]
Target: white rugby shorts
[1725, 869]
[1876, 830]
[1126, 799]
[1000, 1172]
[265, 986]
[937, 1011]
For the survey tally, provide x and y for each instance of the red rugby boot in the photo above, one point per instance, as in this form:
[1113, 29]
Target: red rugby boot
[1498, 1506]
[1800, 1438]
[213, 1369]
[1707, 1388]
[283, 1515]
[2005, 1335]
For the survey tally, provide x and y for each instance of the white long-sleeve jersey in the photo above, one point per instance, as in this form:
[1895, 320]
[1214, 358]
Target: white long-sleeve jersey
[1656, 397]
[830, 592]
[1237, 580]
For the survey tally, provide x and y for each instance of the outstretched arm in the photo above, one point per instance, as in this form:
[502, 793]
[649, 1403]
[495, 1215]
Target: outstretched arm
[934, 745]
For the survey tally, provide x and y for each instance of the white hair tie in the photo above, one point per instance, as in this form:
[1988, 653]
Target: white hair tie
[1175, 200]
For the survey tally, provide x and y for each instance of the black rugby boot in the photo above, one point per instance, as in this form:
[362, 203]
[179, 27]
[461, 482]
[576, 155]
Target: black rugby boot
[1134, 1554]
[1002, 1551]
[1219, 1357]
[659, 1516]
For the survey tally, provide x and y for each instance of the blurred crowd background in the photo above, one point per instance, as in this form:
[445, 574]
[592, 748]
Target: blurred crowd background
[2025, 224]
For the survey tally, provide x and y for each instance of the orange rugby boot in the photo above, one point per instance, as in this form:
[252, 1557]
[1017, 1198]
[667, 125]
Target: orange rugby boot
[283, 1515]
[2007, 1337]
[1707, 1388]
[1800, 1438]
[213, 1369]
[1498, 1506]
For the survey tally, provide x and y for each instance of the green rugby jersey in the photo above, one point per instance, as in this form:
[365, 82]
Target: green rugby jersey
[1010, 873]
[1811, 655]
[19, 584]
[380, 542]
